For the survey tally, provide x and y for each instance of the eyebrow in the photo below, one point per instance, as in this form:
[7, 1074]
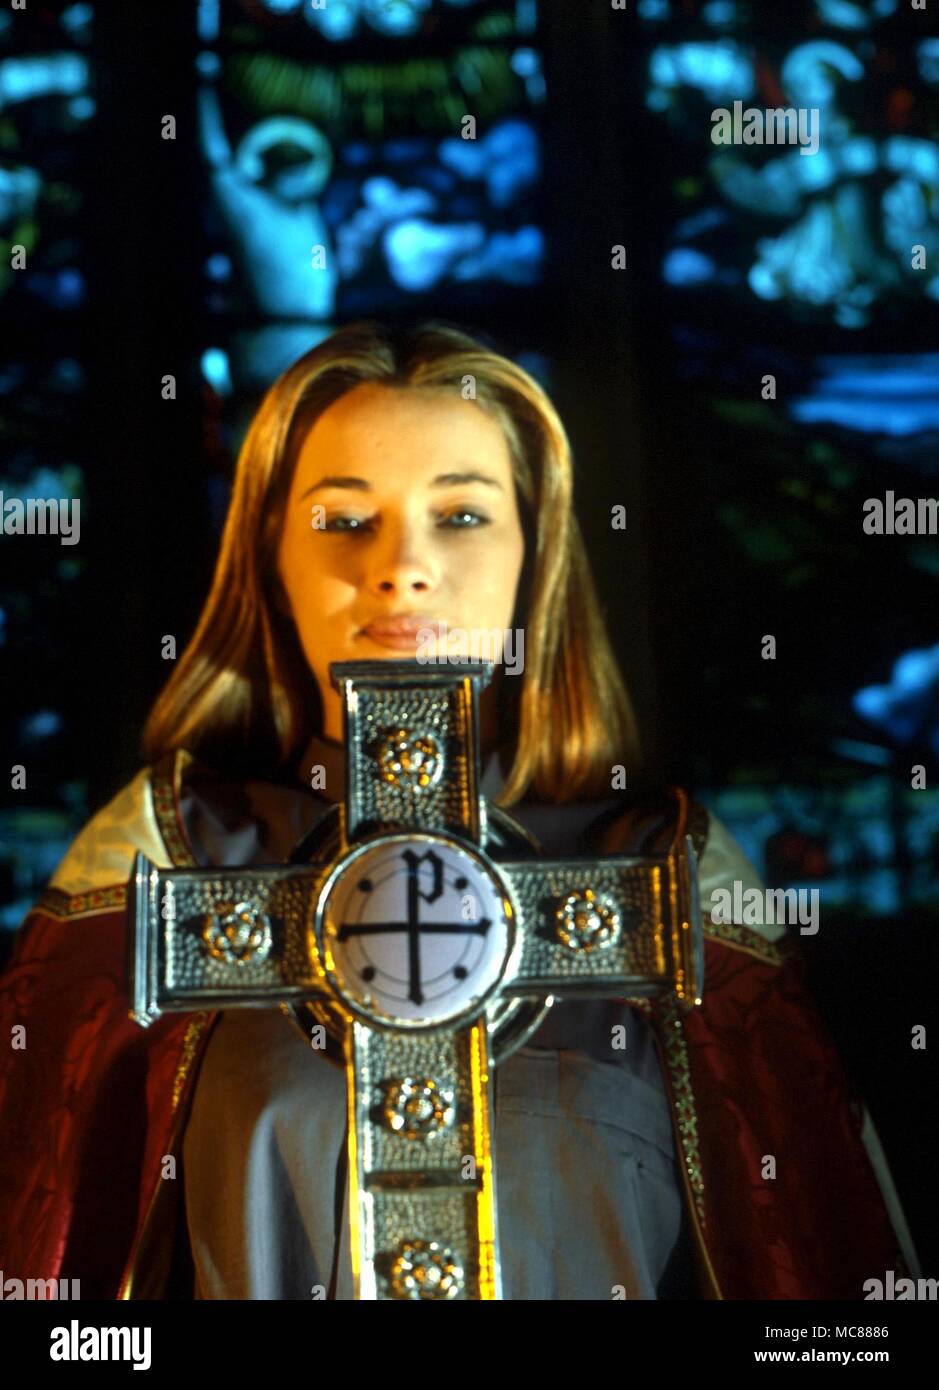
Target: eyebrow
[441, 480]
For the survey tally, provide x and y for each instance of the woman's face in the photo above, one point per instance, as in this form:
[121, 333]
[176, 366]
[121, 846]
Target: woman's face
[402, 507]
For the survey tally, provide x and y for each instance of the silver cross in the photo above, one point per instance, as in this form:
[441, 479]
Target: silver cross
[430, 934]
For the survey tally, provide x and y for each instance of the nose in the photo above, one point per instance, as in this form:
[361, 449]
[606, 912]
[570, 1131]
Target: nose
[400, 565]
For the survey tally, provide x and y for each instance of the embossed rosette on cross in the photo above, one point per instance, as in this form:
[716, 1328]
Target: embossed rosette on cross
[428, 932]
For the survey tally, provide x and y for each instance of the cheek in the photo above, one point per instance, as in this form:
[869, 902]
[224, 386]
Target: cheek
[317, 590]
[324, 607]
[488, 582]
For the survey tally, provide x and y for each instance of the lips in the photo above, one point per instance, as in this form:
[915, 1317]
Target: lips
[401, 634]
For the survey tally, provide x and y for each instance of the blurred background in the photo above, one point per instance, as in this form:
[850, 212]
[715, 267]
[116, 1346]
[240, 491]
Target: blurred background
[765, 360]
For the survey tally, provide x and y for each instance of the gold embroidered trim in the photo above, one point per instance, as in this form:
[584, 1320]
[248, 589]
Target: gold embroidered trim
[165, 786]
[741, 938]
[679, 1065]
[190, 1048]
[676, 1055]
[665, 1019]
[165, 783]
[129, 1281]
[55, 903]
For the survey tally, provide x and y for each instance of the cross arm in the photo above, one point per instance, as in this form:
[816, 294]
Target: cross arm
[620, 924]
[202, 938]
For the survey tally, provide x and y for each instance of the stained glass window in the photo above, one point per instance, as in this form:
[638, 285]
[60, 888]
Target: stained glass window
[362, 159]
[47, 110]
[796, 286]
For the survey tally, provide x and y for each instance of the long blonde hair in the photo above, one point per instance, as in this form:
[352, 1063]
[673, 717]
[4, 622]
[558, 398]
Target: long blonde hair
[242, 696]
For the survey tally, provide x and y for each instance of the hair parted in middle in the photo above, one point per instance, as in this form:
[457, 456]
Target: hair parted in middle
[242, 696]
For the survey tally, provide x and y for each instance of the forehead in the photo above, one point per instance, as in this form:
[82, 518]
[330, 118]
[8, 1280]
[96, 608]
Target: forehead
[417, 428]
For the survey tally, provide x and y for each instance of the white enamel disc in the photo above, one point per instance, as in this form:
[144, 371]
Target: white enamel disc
[416, 929]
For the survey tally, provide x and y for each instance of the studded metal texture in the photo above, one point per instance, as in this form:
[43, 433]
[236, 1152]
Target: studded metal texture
[435, 704]
[639, 960]
[182, 902]
[438, 1187]
[444, 1058]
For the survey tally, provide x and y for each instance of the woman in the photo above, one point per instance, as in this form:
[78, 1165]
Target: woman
[388, 483]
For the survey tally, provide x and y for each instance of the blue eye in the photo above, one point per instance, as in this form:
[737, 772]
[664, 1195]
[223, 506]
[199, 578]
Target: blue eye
[461, 520]
[457, 519]
[346, 523]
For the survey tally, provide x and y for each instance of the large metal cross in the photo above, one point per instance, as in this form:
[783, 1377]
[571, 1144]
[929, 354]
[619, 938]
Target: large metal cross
[426, 931]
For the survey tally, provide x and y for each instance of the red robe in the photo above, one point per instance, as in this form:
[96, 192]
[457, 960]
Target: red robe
[92, 1104]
